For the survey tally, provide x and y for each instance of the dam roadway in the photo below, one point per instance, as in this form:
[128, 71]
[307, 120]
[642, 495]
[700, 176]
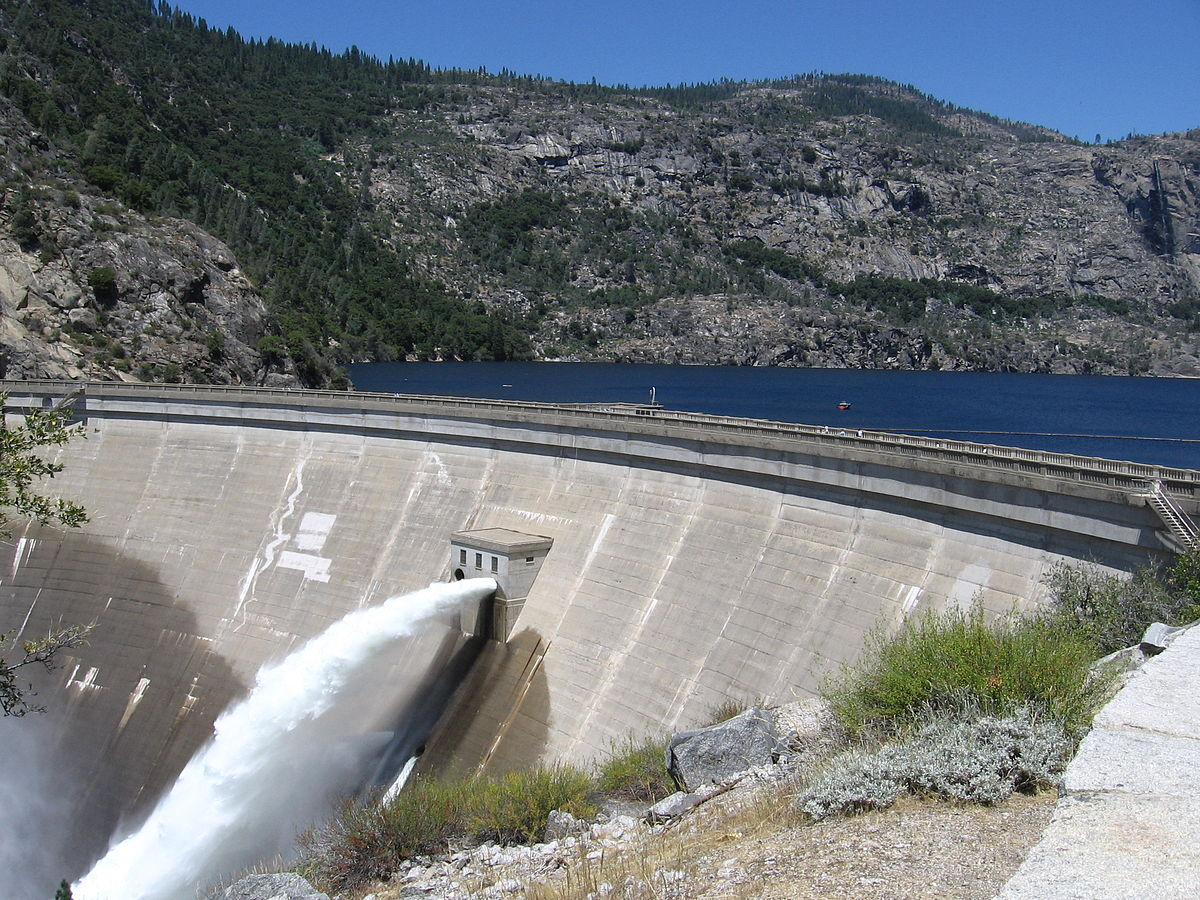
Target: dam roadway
[694, 558]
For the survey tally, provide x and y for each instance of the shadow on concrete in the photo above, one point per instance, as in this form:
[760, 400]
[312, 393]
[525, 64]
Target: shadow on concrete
[499, 719]
[419, 717]
[125, 713]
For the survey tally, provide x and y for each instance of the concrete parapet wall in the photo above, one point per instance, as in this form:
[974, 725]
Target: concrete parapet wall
[691, 562]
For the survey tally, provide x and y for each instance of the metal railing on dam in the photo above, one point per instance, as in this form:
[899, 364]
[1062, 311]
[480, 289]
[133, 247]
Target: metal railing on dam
[238, 403]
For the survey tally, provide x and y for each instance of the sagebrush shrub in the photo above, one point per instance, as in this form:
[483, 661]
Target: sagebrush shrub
[979, 761]
[986, 760]
[855, 781]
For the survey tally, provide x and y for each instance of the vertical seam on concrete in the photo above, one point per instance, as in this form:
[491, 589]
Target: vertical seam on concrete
[617, 660]
[528, 673]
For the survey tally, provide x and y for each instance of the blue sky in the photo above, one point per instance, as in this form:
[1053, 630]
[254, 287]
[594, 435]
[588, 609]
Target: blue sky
[1107, 67]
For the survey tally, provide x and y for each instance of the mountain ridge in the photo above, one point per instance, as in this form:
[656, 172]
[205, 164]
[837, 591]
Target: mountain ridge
[387, 210]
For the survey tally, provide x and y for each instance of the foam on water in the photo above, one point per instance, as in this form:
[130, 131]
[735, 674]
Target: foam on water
[275, 759]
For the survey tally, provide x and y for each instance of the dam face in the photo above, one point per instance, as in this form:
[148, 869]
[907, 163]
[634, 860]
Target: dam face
[693, 560]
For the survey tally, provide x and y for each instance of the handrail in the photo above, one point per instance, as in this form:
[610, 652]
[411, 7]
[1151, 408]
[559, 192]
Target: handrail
[1177, 521]
[1131, 475]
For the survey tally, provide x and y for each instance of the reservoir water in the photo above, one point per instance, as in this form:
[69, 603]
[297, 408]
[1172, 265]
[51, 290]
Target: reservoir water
[1151, 420]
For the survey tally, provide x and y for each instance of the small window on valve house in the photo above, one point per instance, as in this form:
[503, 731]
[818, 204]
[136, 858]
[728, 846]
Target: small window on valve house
[495, 564]
[479, 560]
[462, 557]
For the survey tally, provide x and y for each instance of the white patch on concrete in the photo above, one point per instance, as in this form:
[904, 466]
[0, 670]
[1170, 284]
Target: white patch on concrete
[134, 699]
[609, 518]
[24, 546]
[28, 613]
[315, 568]
[85, 683]
[967, 586]
[443, 474]
[531, 516]
[910, 601]
[189, 701]
[314, 531]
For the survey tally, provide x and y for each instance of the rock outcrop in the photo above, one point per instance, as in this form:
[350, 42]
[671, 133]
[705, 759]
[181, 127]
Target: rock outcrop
[282, 886]
[634, 269]
[92, 289]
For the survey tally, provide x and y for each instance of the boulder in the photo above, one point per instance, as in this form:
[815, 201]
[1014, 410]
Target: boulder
[713, 754]
[674, 806]
[279, 886]
[84, 320]
[1158, 636]
[611, 809]
[809, 730]
[560, 825]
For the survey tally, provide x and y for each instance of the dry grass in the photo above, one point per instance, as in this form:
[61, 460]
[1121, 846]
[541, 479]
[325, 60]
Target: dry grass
[670, 862]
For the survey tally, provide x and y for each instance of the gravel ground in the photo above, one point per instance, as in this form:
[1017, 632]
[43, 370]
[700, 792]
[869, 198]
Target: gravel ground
[918, 848]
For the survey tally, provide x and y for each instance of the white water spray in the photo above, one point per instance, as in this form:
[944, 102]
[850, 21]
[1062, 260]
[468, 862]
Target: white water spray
[275, 757]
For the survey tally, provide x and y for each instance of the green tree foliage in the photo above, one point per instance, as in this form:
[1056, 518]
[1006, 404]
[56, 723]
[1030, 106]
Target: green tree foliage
[103, 282]
[1184, 577]
[1113, 610]
[21, 465]
[16, 698]
[234, 134]
[23, 221]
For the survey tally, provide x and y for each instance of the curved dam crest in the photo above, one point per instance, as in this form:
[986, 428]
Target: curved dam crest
[694, 559]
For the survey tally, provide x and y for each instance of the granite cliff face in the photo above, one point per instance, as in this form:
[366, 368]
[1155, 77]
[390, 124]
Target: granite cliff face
[633, 263]
[91, 289]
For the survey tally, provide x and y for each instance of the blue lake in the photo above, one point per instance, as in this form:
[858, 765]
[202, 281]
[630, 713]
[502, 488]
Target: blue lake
[1153, 420]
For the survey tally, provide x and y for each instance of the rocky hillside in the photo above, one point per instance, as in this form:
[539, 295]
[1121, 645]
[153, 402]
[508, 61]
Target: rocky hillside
[178, 203]
[755, 229]
[89, 288]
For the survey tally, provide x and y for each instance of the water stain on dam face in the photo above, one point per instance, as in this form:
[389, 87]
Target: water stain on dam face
[124, 713]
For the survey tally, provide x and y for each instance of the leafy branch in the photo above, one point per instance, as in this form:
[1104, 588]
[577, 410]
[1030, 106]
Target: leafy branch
[21, 467]
[14, 699]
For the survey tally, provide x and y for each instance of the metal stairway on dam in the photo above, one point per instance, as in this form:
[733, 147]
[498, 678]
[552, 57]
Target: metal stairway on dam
[1177, 521]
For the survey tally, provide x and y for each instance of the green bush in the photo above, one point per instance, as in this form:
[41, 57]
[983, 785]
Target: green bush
[941, 659]
[1112, 611]
[636, 771]
[367, 840]
[103, 282]
[514, 807]
[1184, 578]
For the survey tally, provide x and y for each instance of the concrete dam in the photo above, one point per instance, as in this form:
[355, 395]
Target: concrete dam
[681, 560]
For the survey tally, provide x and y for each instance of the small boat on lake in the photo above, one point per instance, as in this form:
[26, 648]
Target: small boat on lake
[843, 405]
